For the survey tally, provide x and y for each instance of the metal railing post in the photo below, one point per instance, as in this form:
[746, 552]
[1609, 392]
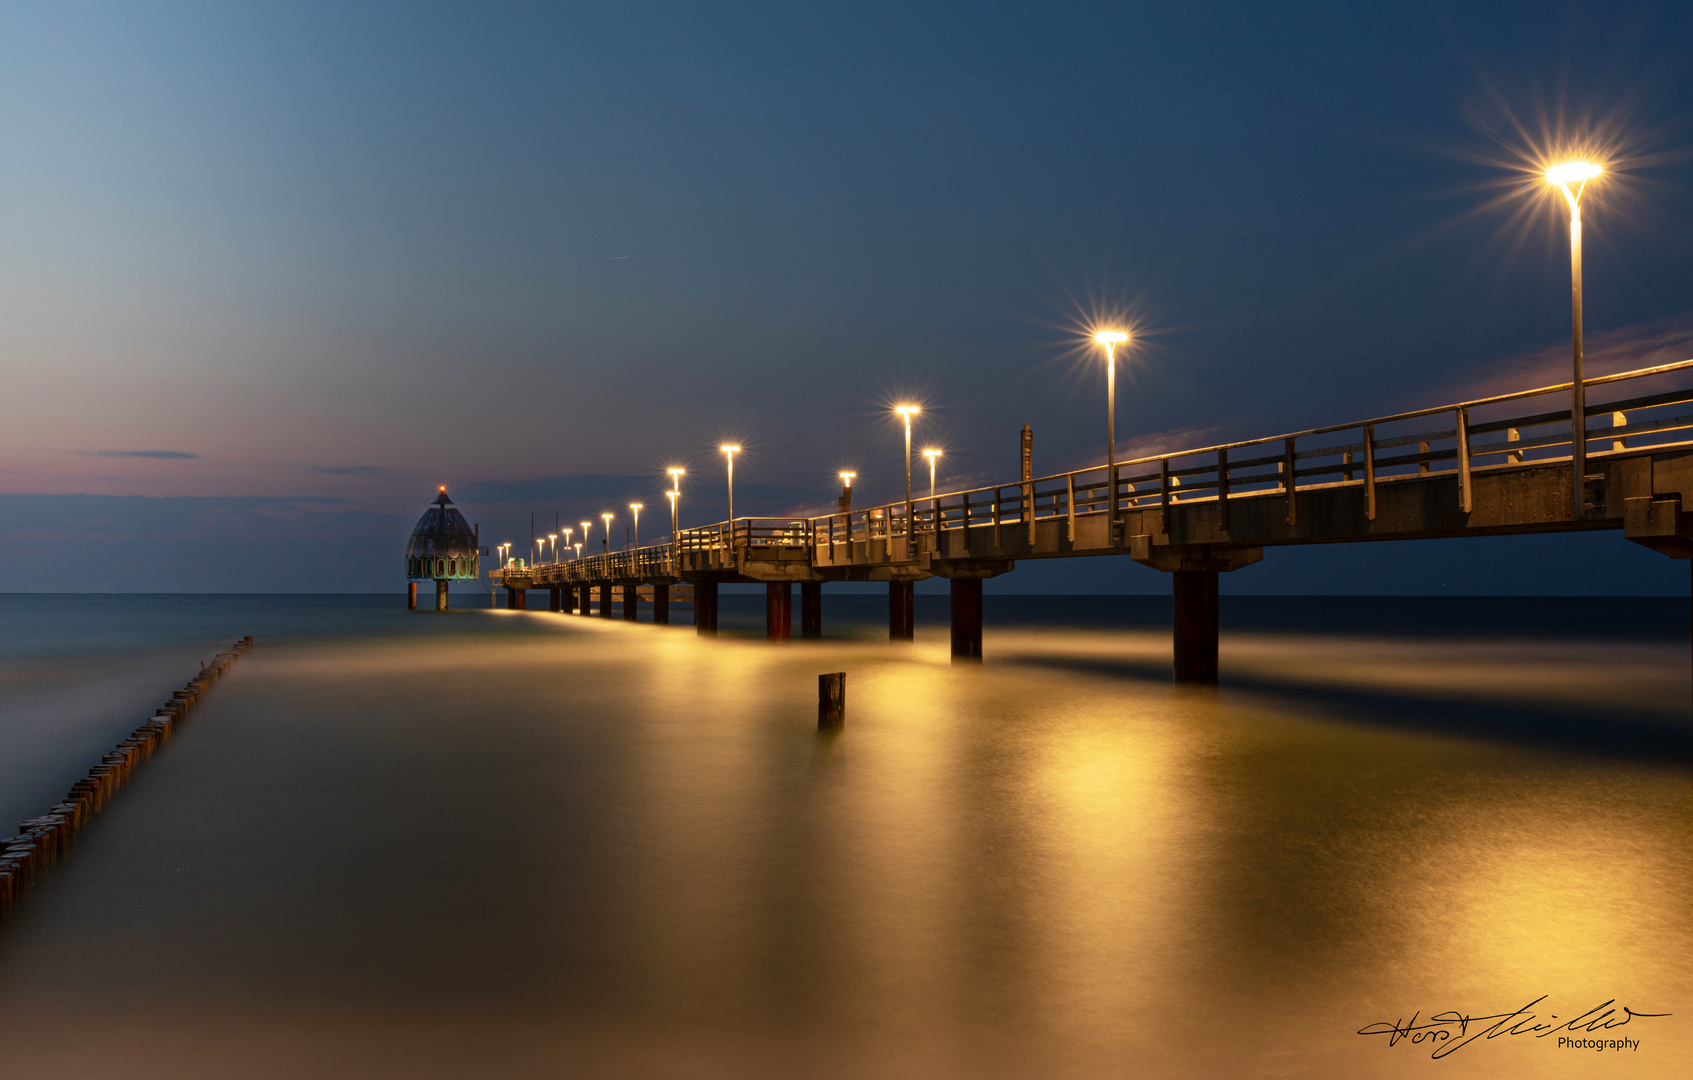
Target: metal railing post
[1370, 472]
[1291, 483]
[1464, 459]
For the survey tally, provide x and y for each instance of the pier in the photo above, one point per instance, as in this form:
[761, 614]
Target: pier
[1496, 466]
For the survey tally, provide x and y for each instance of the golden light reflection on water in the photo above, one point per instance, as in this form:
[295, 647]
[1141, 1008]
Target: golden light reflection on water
[610, 844]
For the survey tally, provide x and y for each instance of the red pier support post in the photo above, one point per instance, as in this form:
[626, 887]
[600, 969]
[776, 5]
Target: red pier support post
[810, 610]
[778, 611]
[411, 596]
[705, 608]
[1195, 593]
[966, 619]
[902, 611]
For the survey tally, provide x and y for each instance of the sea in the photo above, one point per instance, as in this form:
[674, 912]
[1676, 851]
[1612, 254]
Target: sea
[1406, 837]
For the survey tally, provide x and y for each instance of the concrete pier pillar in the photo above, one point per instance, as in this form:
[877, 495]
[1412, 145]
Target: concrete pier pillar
[555, 599]
[810, 610]
[705, 608]
[584, 600]
[1195, 594]
[411, 596]
[606, 602]
[631, 601]
[661, 603]
[778, 611]
[511, 599]
[966, 619]
[523, 599]
[902, 611]
[440, 596]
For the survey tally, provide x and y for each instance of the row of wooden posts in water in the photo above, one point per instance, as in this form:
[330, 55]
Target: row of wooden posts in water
[41, 840]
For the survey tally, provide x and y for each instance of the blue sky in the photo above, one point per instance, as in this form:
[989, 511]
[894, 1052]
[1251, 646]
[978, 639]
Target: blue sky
[346, 252]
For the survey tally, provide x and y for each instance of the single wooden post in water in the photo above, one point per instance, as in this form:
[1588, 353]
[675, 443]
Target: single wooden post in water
[440, 596]
[810, 610]
[831, 700]
[661, 603]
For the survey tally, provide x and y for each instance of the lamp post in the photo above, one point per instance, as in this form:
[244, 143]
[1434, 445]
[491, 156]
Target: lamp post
[675, 495]
[906, 412]
[552, 540]
[567, 533]
[1576, 173]
[587, 527]
[635, 508]
[934, 455]
[605, 541]
[1111, 339]
[731, 450]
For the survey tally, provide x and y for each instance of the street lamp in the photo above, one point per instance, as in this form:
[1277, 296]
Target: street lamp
[673, 496]
[578, 550]
[635, 508]
[567, 533]
[1576, 173]
[933, 454]
[552, 538]
[605, 541]
[1111, 339]
[906, 412]
[587, 527]
[731, 450]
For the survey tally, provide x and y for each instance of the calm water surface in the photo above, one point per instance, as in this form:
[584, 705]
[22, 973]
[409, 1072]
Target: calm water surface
[518, 844]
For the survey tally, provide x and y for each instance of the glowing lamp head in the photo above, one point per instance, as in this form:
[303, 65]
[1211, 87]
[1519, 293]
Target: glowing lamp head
[1573, 172]
[848, 477]
[908, 411]
[1111, 337]
[730, 448]
[931, 454]
[637, 507]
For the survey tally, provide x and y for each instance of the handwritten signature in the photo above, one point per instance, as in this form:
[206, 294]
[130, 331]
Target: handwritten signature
[1448, 1031]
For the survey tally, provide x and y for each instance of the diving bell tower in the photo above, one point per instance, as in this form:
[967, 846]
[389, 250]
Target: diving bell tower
[443, 548]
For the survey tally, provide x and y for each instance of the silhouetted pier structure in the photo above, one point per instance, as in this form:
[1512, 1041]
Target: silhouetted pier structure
[1489, 467]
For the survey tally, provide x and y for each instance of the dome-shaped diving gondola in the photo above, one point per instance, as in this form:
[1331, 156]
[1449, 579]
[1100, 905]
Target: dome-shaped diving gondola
[444, 547]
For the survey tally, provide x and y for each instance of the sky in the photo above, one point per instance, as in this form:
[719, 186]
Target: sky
[269, 274]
